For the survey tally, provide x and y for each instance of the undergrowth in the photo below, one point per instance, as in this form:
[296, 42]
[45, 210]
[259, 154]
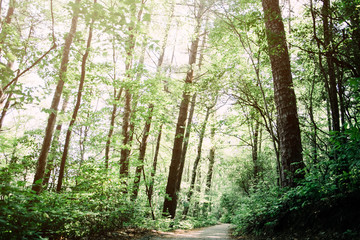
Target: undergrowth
[75, 215]
[326, 200]
[25, 215]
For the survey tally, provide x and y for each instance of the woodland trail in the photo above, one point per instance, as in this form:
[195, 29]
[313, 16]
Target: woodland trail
[217, 232]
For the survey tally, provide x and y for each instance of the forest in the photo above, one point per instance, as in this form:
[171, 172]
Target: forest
[178, 114]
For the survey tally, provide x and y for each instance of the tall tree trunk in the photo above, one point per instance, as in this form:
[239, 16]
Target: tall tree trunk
[159, 65]
[285, 100]
[124, 161]
[117, 96]
[268, 120]
[54, 146]
[255, 150]
[170, 202]
[341, 93]
[136, 99]
[41, 164]
[186, 142]
[140, 165]
[196, 163]
[334, 104]
[196, 209]
[314, 126]
[209, 174]
[143, 144]
[76, 108]
[188, 127]
[129, 47]
[146, 131]
[153, 171]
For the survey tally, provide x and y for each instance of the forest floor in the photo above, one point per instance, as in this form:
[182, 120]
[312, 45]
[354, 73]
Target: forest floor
[216, 232]
[223, 232]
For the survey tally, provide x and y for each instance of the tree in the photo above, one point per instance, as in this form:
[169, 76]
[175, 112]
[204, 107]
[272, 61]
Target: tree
[201, 136]
[129, 48]
[154, 165]
[41, 164]
[158, 71]
[55, 148]
[116, 99]
[142, 151]
[77, 104]
[170, 202]
[249, 86]
[209, 174]
[197, 160]
[285, 99]
[186, 141]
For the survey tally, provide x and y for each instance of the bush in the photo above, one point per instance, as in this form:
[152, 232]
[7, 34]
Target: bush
[24, 214]
[330, 187]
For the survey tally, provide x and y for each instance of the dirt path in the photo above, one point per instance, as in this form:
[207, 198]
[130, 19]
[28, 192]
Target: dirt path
[218, 232]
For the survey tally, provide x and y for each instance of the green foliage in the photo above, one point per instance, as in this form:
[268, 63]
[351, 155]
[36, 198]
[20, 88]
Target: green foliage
[235, 76]
[195, 222]
[167, 224]
[26, 215]
[332, 182]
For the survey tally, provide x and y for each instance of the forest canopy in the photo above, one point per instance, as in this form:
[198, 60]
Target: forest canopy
[163, 114]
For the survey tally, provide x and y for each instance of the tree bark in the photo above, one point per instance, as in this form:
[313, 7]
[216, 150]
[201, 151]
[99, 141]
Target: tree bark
[117, 96]
[153, 171]
[196, 209]
[332, 91]
[141, 158]
[124, 161]
[255, 150]
[209, 174]
[111, 129]
[266, 115]
[41, 164]
[159, 65]
[54, 144]
[186, 142]
[129, 47]
[170, 202]
[285, 100]
[76, 108]
[196, 163]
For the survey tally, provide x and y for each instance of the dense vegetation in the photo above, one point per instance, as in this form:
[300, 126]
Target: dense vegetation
[160, 114]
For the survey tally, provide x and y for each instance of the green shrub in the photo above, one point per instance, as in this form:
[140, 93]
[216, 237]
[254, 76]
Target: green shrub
[325, 184]
[24, 214]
